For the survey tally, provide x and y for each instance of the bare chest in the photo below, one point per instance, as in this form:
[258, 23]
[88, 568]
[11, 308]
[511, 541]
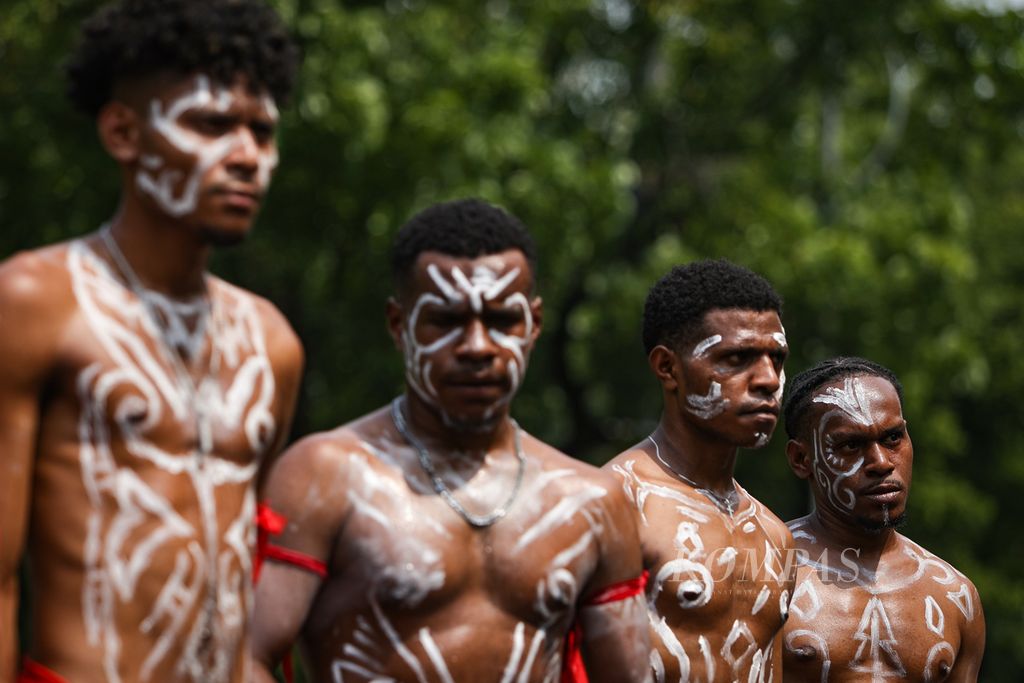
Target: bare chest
[406, 551]
[906, 628]
[711, 569]
[166, 382]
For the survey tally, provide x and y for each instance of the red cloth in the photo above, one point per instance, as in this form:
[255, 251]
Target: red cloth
[573, 670]
[296, 559]
[32, 672]
[270, 523]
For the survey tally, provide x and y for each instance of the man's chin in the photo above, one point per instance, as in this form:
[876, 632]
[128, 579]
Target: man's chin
[758, 440]
[877, 526]
[217, 236]
[472, 424]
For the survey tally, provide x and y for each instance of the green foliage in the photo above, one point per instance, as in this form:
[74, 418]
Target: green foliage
[866, 157]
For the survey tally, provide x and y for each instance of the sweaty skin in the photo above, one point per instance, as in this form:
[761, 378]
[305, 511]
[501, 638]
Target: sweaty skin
[138, 542]
[413, 592]
[720, 580]
[870, 604]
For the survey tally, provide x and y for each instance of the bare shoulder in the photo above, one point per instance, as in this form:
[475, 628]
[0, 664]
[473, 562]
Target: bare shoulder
[36, 304]
[552, 459]
[283, 343]
[323, 454]
[945, 574]
[30, 279]
[951, 586]
[770, 522]
[312, 476]
[632, 461]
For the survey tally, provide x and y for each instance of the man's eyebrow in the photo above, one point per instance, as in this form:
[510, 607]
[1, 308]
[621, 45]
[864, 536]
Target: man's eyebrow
[859, 431]
[845, 433]
[746, 346]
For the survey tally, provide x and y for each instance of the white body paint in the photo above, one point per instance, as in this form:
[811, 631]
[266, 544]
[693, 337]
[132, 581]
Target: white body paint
[482, 286]
[407, 568]
[696, 576]
[818, 619]
[205, 599]
[828, 470]
[877, 651]
[162, 184]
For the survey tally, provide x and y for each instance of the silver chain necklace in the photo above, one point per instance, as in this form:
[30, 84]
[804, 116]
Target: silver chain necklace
[186, 384]
[477, 521]
[726, 503]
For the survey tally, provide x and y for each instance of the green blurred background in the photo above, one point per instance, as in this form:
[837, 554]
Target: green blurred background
[867, 157]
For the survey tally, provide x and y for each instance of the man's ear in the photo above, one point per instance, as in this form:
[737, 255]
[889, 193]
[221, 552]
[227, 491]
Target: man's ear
[395, 315]
[118, 126]
[666, 366]
[537, 311]
[799, 456]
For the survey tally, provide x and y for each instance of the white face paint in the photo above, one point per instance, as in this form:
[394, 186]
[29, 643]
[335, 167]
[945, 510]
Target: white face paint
[829, 471]
[710, 404]
[484, 285]
[176, 192]
[702, 347]
[780, 339]
[194, 611]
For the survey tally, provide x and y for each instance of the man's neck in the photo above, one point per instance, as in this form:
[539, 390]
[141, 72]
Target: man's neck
[166, 256]
[445, 439]
[840, 533]
[701, 458]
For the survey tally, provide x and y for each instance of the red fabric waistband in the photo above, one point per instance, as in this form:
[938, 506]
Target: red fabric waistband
[31, 672]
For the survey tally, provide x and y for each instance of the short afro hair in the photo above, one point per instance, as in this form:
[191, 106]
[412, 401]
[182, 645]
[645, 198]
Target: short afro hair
[802, 386]
[223, 39]
[463, 228]
[675, 307]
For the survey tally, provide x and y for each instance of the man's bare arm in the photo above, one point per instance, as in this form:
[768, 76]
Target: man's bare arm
[30, 323]
[972, 646]
[301, 488]
[616, 645]
[287, 359]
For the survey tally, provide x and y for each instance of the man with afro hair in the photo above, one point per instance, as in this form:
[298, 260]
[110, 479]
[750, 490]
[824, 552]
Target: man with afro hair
[869, 602]
[434, 539]
[719, 582]
[140, 396]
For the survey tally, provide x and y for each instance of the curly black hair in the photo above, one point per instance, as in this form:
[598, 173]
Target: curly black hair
[464, 228]
[223, 39]
[675, 307]
[802, 387]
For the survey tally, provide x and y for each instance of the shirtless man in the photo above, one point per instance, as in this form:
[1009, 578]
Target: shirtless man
[870, 604]
[434, 539]
[719, 581]
[139, 395]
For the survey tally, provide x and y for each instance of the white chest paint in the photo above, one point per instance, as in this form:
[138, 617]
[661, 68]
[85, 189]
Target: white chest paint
[130, 403]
